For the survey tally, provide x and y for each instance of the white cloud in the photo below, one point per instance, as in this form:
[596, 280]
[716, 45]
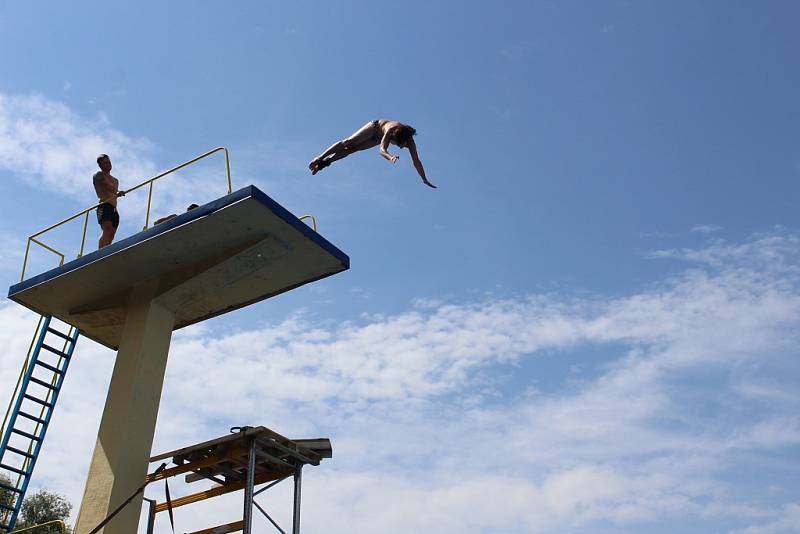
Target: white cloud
[776, 252]
[787, 522]
[53, 148]
[433, 425]
[13, 247]
[706, 228]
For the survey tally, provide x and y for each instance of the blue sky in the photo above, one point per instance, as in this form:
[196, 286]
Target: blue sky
[602, 295]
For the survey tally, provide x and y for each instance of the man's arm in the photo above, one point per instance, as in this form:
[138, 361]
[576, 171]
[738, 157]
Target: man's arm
[385, 148]
[412, 147]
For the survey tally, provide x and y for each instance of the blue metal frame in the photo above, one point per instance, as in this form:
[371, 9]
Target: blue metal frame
[39, 433]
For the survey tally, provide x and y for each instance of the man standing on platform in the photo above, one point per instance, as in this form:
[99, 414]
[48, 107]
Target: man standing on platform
[107, 189]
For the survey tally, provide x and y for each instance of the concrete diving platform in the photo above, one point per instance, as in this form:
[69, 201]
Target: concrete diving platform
[224, 255]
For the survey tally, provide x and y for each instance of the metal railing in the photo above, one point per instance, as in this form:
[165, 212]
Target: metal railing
[58, 522]
[87, 211]
[313, 220]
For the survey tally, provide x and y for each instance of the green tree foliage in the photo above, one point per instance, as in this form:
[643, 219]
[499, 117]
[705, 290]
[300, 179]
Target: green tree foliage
[6, 496]
[41, 507]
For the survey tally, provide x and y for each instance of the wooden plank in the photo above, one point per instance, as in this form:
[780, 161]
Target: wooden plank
[304, 455]
[236, 526]
[221, 490]
[273, 459]
[318, 446]
[204, 474]
[211, 444]
[321, 446]
[184, 468]
[229, 471]
[214, 443]
[260, 468]
[242, 458]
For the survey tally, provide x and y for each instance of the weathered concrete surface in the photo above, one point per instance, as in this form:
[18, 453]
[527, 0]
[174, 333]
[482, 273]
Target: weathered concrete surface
[121, 455]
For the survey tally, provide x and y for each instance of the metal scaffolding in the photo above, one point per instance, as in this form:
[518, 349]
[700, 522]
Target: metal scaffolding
[240, 461]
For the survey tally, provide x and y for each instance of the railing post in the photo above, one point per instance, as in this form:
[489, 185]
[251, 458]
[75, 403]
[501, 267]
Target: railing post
[228, 168]
[83, 239]
[313, 221]
[149, 200]
[25, 262]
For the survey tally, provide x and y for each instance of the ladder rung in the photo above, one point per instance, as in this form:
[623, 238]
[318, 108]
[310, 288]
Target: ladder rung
[40, 401]
[23, 433]
[61, 335]
[10, 488]
[55, 351]
[7, 507]
[43, 383]
[21, 453]
[5, 526]
[32, 417]
[48, 366]
[15, 470]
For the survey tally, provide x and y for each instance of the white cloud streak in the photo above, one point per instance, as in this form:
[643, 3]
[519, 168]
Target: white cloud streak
[706, 228]
[786, 523]
[50, 146]
[47, 146]
[433, 425]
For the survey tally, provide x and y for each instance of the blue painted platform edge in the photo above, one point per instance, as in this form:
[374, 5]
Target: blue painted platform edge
[250, 191]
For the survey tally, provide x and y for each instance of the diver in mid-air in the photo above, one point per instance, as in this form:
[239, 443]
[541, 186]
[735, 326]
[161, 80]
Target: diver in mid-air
[378, 132]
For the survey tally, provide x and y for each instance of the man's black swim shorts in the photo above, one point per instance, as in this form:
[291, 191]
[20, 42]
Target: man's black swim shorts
[107, 212]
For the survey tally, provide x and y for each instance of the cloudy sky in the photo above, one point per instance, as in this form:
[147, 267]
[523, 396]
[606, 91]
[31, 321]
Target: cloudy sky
[590, 327]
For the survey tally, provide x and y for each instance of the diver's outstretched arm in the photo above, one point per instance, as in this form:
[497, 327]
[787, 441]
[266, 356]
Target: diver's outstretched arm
[412, 147]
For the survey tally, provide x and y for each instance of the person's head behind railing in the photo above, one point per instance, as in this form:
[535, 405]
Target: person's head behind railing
[173, 215]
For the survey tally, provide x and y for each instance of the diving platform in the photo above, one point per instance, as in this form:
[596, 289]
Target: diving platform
[224, 255]
[130, 296]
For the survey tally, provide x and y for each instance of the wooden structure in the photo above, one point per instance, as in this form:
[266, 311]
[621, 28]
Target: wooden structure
[240, 461]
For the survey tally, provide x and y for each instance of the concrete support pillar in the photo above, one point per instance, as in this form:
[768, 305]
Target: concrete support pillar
[122, 452]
